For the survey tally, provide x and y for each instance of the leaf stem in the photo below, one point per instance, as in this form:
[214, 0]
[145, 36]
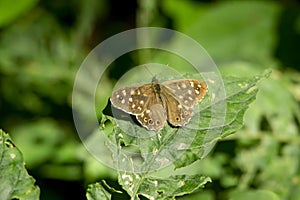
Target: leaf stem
[151, 161]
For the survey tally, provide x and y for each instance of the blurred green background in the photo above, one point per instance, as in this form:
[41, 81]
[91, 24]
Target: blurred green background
[43, 43]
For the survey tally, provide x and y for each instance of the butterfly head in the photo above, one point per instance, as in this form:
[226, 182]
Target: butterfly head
[154, 80]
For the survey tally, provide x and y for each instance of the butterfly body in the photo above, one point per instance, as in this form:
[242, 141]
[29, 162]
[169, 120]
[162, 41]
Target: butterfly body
[154, 104]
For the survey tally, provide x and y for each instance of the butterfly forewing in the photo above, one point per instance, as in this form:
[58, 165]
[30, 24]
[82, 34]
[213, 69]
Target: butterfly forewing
[187, 91]
[200, 88]
[132, 100]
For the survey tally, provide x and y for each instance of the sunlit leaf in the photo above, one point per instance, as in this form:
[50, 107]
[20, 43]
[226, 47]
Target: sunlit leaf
[138, 151]
[239, 94]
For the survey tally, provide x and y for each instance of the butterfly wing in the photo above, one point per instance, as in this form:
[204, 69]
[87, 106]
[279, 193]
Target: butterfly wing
[177, 114]
[132, 100]
[179, 97]
[153, 118]
[173, 100]
[144, 103]
[188, 92]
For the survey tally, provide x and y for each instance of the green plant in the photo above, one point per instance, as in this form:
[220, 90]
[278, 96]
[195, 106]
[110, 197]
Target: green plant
[43, 43]
[142, 178]
[138, 174]
[15, 182]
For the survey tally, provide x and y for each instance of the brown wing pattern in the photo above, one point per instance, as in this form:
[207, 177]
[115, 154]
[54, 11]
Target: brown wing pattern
[187, 91]
[154, 103]
[180, 97]
[133, 100]
[154, 117]
[177, 114]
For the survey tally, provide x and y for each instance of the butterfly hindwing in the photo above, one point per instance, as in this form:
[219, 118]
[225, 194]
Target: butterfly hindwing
[177, 114]
[153, 118]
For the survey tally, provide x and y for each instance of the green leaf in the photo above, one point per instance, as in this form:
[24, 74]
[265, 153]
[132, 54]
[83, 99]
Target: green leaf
[100, 191]
[15, 183]
[161, 188]
[239, 94]
[138, 151]
[97, 192]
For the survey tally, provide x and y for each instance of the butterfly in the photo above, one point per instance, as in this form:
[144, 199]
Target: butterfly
[155, 103]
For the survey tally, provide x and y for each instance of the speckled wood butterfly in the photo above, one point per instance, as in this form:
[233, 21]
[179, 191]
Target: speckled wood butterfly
[153, 103]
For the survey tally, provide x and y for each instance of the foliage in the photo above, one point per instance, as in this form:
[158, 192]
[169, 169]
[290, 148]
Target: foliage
[15, 181]
[11, 11]
[180, 146]
[42, 44]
